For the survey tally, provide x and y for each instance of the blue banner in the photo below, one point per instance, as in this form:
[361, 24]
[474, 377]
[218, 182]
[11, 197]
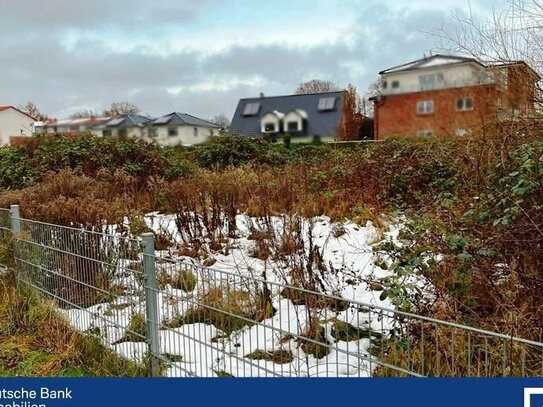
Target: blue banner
[17, 392]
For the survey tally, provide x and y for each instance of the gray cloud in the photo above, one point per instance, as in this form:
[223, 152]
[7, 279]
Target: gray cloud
[36, 65]
[58, 14]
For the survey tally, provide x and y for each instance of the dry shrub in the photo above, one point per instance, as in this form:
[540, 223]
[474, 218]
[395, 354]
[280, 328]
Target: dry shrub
[228, 310]
[279, 356]
[136, 330]
[36, 341]
[313, 340]
[446, 352]
[183, 279]
[314, 300]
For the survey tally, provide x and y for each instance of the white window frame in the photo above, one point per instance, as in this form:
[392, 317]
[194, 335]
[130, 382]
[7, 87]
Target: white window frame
[425, 106]
[463, 104]
[266, 124]
[297, 123]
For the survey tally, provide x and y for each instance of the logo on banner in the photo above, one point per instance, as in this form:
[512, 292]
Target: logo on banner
[533, 397]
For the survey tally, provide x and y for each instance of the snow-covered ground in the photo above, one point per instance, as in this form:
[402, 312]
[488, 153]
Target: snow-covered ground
[297, 339]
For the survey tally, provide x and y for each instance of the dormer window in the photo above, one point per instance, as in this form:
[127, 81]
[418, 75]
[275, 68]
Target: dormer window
[251, 109]
[295, 120]
[292, 126]
[269, 128]
[271, 122]
[326, 104]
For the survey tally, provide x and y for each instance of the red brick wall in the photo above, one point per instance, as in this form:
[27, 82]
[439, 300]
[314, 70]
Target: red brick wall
[396, 115]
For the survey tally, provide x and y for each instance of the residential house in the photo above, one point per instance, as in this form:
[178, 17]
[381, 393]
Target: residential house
[179, 129]
[15, 125]
[445, 95]
[71, 126]
[126, 126]
[316, 116]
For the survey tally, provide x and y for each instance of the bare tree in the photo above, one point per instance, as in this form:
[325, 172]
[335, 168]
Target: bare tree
[316, 86]
[32, 110]
[354, 121]
[373, 91]
[83, 114]
[222, 120]
[120, 109]
[514, 33]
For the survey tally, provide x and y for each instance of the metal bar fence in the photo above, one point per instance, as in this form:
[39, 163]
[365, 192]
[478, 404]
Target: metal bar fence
[188, 320]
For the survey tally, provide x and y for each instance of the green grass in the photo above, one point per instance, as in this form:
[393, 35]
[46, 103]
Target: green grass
[35, 341]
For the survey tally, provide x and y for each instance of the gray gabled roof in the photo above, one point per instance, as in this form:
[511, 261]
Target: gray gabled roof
[176, 118]
[129, 120]
[430, 62]
[319, 123]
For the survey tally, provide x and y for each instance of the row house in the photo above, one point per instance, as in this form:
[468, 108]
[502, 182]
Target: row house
[170, 130]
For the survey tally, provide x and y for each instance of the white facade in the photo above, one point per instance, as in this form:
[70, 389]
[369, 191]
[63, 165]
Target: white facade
[294, 121]
[175, 135]
[14, 123]
[271, 122]
[435, 77]
[126, 132]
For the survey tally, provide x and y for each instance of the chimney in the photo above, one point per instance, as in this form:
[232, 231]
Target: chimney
[262, 96]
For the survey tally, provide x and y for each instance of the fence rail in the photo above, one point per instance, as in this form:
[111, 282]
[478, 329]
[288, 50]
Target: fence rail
[189, 320]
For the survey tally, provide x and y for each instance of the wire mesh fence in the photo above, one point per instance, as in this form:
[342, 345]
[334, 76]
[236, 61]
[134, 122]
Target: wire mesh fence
[187, 320]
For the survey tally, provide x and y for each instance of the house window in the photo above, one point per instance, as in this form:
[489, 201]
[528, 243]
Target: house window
[431, 81]
[251, 109]
[425, 133]
[269, 127]
[464, 104]
[425, 107]
[292, 126]
[172, 131]
[106, 133]
[123, 133]
[395, 84]
[326, 104]
[385, 84]
[152, 133]
[195, 132]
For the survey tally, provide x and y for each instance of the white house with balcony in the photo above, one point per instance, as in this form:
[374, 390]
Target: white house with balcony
[434, 73]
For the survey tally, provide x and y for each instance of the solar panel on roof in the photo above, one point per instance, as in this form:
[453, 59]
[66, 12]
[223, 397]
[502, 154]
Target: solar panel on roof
[162, 120]
[115, 122]
[326, 104]
[251, 109]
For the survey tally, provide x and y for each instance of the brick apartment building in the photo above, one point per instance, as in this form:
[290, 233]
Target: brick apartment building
[444, 95]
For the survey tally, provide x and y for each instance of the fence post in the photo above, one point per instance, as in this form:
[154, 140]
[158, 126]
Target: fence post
[151, 301]
[15, 219]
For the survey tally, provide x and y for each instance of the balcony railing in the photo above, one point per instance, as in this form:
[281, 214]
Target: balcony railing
[437, 86]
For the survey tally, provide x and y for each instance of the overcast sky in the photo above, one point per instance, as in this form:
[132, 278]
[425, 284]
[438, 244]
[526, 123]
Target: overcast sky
[201, 56]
